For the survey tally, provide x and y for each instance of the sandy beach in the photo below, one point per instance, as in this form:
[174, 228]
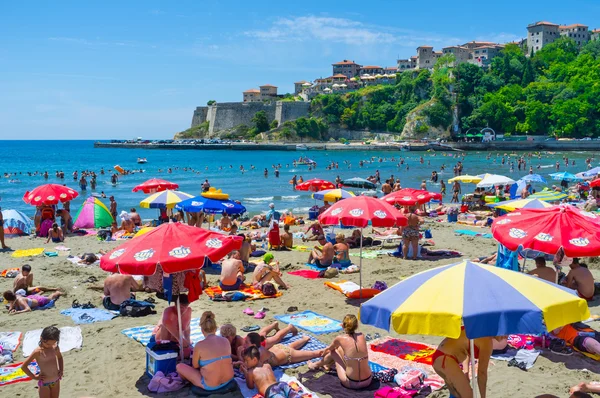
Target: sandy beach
[111, 365]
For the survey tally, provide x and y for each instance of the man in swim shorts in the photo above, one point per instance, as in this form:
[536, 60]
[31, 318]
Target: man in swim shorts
[263, 378]
[232, 272]
[118, 288]
[322, 257]
[581, 279]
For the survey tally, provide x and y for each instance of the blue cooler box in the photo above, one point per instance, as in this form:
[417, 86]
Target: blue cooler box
[452, 217]
[165, 361]
[313, 214]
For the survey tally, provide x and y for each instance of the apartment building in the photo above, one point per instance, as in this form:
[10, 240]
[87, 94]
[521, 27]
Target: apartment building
[252, 95]
[578, 32]
[371, 70]
[268, 91]
[461, 54]
[595, 34]
[540, 34]
[346, 68]
[407, 64]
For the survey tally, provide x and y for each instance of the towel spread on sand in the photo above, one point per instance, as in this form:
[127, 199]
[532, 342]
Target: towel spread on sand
[300, 248]
[11, 374]
[28, 252]
[70, 338]
[62, 248]
[250, 291]
[305, 273]
[473, 233]
[311, 321]
[142, 334]
[10, 340]
[352, 290]
[75, 260]
[89, 315]
[409, 350]
[329, 382]
[371, 253]
[522, 355]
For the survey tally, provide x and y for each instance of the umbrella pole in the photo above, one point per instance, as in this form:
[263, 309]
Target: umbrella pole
[360, 262]
[473, 376]
[180, 331]
[524, 261]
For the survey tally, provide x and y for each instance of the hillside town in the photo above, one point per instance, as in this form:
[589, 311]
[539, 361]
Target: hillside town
[348, 75]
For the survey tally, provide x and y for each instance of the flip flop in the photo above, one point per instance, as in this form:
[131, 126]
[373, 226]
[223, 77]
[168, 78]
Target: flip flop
[249, 329]
[248, 311]
[292, 309]
[260, 315]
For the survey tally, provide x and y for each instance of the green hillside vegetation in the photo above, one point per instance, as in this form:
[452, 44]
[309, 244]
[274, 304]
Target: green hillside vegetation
[555, 92]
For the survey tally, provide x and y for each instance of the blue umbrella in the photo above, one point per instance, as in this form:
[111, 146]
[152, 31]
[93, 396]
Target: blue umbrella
[358, 182]
[210, 206]
[565, 176]
[18, 221]
[591, 172]
[534, 178]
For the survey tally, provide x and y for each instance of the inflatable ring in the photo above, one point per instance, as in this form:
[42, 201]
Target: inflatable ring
[214, 193]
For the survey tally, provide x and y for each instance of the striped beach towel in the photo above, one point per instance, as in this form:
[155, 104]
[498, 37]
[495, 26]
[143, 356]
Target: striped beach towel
[11, 374]
[142, 334]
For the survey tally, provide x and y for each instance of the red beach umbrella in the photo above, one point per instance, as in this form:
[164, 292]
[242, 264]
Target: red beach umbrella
[315, 185]
[595, 183]
[411, 197]
[359, 210]
[176, 247]
[547, 230]
[49, 194]
[155, 185]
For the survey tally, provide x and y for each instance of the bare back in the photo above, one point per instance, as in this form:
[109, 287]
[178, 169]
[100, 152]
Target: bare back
[118, 287]
[229, 271]
[355, 355]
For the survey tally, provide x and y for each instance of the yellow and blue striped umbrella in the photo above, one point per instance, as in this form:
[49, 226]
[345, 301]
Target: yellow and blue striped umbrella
[529, 203]
[467, 178]
[332, 195]
[487, 300]
[548, 196]
[165, 199]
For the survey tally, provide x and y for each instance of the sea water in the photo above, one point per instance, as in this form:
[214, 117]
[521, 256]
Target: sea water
[222, 169]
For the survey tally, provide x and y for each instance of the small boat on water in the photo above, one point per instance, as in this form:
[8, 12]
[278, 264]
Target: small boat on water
[301, 147]
[405, 147]
[304, 161]
[142, 160]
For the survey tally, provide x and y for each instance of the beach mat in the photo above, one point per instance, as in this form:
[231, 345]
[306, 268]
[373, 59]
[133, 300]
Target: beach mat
[250, 291]
[468, 232]
[10, 340]
[311, 322]
[329, 382]
[27, 252]
[142, 334]
[300, 248]
[75, 260]
[89, 315]
[305, 273]
[371, 253]
[70, 338]
[352, 289]
[11, 374]
[523, 355]
[312, 345]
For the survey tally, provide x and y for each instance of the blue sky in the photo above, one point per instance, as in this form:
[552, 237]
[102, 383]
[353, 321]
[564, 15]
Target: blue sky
[116, 69]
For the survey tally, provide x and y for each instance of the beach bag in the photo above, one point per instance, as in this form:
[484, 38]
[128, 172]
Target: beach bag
[428, 234]
[380, 285]
[169, 383]
[268, 289]
[136, 308]
[389, 392]
[104, 234]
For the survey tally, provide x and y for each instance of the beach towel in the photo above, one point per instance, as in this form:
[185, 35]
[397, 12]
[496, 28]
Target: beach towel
[89, 315]
[473, 233]
[311, 321]
[440, 253]
[51, 254]
[352, 289]
[329, 382]
[251, 292]
[301, 248]
[28, 252]
[507, 259]
[70, 338]
[408, 352]
[527, 356]
[339, 266]
[305, 273]
[75, 260]
[312, 345]
[62, 248]
[11, 374]
[292, 381]
[371, 253]
[10, 272]
[142, 334]
[10, 340]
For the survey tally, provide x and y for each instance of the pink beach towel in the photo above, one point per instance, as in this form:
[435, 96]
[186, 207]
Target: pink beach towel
[305, 273]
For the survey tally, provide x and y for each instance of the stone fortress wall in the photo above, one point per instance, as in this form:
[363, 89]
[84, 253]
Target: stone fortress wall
[227, 115]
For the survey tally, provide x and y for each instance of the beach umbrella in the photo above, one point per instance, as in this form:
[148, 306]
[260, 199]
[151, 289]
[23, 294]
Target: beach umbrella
[466, 178]
[155, 185]
[143, 231]
[529, 203]
[358, 182]
[333, 195]
[548, 196]
[531, 178]
[590, 173]
[565, 176]
[315, 185]
[487, 300]
[411, 197]
[576, 231]
[165, 199]
[595, 183]
[49, 194]
[358, 211]
[492, 180]
[93, 214]
[210, 206]
[176, 247]
[16, 222]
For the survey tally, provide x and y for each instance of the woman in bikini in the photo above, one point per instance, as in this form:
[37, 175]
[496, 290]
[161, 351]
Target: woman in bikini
[281, 354]
[20, 304]
[56, 234]
[50, 362]
[238, 343]
[341, 250]
[350, 355]
[212, 366]
[450, 360]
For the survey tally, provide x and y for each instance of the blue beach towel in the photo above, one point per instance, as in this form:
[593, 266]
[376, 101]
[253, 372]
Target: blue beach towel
[312, 345]
[334, 265]
[473, 233]
[89, 315]
[507, 259]
[142, 334]
[312, 322]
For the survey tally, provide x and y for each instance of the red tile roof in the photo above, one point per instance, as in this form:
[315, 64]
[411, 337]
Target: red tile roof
[414, 57]
[544, 23]
[338, 76]
[268, 85]
[424, 47]
[252, 90]
[301, 82]
[575, 25]
[596, 31]
[391, 68]
[345, 62]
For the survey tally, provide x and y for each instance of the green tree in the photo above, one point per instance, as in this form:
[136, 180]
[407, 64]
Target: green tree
[261, 123]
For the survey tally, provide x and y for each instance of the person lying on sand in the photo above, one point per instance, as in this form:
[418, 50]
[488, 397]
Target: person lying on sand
[581, 279]
[542, 271]
[280, 354]
[593, 386]
[238, 343]
[212, 366]
[258, 221]
[20, 304]
[25, 281]
[580, 336]
[267, 270]
[232, 272]
[322, 257]
[168, 326]
[118, 288]
[451, 353]
[386, 232]
[486, 259]
[350, 356]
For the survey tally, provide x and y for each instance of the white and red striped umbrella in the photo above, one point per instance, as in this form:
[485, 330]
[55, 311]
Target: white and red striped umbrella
[49, 194]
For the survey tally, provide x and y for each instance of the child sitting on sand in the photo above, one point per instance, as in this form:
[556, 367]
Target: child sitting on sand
[50, 361]
[25, 281]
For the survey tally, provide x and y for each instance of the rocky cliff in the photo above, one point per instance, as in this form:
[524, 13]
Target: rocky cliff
[419, 124]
